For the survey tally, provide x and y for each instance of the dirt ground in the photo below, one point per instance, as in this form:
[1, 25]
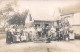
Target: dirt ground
[54, 46]
[2, 36]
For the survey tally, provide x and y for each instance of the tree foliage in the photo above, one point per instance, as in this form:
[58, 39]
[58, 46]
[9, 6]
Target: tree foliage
[18, 19]
[15, 18]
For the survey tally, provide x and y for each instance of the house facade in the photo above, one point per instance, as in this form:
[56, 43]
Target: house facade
[43, 23]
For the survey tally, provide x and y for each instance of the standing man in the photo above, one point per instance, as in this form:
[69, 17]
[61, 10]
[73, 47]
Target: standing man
[39, 31]
[53, 32]
[21, 33]
[45, 31]
[66, 34]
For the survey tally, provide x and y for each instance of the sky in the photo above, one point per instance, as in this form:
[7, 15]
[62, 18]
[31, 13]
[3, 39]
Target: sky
[48, 9]
[44, 9]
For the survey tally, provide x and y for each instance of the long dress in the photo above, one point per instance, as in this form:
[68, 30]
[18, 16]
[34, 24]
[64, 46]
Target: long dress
[31, 33]
[9, 38]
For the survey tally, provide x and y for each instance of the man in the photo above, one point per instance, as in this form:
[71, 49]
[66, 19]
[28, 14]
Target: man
[25, 34]
[61, 35]
[66, 34]
[39, 31]
[53, 29]
[21, 34]
[46, 31]
[53, 32]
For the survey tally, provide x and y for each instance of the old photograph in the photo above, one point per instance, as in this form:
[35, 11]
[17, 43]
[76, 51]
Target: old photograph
[39, 25]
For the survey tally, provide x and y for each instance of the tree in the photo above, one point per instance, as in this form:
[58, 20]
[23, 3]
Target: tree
[4, 13]
[18, 19]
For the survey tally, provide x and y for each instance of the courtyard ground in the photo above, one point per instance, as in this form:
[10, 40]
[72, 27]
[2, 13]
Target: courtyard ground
[54, 46]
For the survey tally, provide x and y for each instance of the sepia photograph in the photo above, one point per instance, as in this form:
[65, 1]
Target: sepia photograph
[39, 25]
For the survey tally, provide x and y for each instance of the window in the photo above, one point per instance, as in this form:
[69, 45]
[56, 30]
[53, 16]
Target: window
[37, 25]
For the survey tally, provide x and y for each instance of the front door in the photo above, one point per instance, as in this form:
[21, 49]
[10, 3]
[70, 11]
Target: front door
[46, 25]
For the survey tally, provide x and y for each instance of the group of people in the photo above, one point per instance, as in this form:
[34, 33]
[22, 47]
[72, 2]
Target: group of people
[15, 34]
[63, 29]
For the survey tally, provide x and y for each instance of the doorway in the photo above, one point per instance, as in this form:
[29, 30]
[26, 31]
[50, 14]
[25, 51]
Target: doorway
[46, 25]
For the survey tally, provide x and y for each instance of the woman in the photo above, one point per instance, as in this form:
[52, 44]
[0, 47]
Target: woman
[9, 38]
